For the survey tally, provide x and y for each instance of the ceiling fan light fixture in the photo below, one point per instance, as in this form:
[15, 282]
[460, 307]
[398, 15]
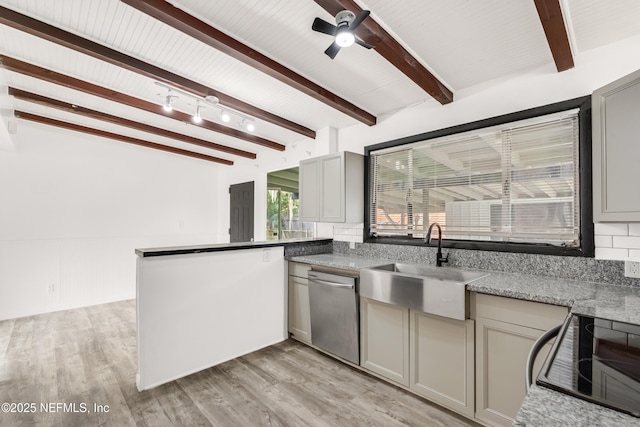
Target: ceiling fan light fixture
[344, 37]
[344, 33]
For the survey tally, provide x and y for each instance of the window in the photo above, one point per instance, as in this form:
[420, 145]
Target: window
[510, 183]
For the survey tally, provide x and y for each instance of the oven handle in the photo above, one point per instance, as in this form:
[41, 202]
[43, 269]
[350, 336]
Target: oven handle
[537, 346]
[332, 284]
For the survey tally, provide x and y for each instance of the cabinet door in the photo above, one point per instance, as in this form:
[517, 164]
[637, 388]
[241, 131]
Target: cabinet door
[501, 358]
[616, 109]
[299, 319]
[384, 340]
[332, 187]
[309, 190]
[442, 361]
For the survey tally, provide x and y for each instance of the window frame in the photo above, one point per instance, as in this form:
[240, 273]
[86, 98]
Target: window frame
[586, 247]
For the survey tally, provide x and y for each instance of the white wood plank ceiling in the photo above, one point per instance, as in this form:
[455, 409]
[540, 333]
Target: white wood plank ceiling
[462, 42]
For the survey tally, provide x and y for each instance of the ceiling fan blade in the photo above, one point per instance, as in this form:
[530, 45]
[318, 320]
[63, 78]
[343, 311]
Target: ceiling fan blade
[322, 26]
[361, 17]
[332, 50]
[363, 44]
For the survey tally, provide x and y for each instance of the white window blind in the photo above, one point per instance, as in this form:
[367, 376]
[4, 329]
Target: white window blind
[516, 182]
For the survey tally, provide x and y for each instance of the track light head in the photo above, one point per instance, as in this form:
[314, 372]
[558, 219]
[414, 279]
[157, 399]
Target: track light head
[197, 118]
[248, 125]
[168, 103]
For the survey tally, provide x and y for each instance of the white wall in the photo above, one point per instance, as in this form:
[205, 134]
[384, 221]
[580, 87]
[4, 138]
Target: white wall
[74, 207]
[544, 86]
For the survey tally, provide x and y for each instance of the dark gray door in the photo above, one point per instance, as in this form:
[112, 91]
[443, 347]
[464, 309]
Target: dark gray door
[241, 216]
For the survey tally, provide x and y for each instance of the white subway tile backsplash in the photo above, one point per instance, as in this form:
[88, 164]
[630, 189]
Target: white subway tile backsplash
[613, 229]
[346, 232]
[612, 253]
[616, 241]
[603, 241]
[634, 229]
[629, 242]
[324, 229]
[633, 341]
[626, 327]
[610, 335]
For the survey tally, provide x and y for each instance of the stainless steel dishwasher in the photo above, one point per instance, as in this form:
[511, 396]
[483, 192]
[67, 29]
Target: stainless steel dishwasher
[333, 301]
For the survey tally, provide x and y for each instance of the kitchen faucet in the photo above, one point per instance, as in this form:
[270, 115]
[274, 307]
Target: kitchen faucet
[427, 240]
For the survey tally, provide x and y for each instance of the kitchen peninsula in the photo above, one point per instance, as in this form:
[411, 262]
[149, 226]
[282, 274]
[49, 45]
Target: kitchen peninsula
[201, 305]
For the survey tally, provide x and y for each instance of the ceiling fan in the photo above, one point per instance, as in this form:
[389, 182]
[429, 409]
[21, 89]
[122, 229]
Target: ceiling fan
[344, 32]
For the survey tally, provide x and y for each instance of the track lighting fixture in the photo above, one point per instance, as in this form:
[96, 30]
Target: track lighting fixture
[245, 122]
[197, 118]
[248, 125]
[168, 103]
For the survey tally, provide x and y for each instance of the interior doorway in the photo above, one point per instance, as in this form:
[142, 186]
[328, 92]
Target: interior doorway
[241, 212]
[283, 221]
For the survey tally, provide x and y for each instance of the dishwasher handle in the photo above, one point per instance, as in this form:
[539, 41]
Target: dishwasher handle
[332, 284]
[332, 280]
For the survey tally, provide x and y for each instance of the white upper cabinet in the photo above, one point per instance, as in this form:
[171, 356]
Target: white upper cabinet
[332, 188]
[616, 150]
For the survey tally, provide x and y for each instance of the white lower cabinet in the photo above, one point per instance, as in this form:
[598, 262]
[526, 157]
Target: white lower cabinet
[506, 329]
[475, 367]
[431, 355]
[299, 321]
[442, 361]
[384, 340]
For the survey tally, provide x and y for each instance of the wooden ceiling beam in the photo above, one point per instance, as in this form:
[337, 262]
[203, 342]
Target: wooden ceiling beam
[372, 33]
[188, 24]
[56, 35]
[550, 13]
[99, 115]
[109, 135]
[21, 67]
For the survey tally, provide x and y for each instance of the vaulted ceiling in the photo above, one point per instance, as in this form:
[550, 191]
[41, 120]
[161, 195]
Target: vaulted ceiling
[104, 67]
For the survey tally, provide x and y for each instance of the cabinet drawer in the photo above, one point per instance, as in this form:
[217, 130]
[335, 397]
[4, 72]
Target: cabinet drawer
[519, 312]
[298, 269]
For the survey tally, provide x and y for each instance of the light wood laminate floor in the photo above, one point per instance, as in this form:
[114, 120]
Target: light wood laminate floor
[54, 369]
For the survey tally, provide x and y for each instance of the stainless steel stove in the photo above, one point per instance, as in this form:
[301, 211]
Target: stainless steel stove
[596, 360]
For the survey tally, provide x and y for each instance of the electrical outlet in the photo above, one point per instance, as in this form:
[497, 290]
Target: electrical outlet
[51, 288]
[632, 268]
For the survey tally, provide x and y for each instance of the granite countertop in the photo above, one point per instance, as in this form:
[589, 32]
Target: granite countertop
[542, 406]
[341, 261]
